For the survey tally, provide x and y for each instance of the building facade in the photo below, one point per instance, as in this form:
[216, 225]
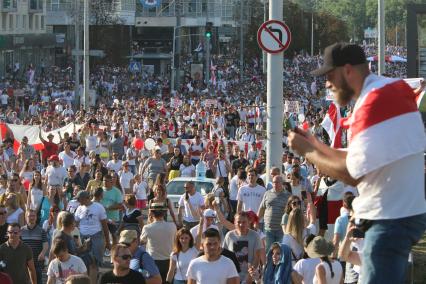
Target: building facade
[24, 38]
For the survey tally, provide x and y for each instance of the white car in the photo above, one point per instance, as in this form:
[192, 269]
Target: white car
[175, 188]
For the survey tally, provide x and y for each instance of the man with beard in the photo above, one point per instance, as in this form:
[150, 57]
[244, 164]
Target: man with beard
[386, 141]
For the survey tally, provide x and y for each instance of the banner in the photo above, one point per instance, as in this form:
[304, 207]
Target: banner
[210, 103]
[292, 107]
[175, 103]
[150, 3]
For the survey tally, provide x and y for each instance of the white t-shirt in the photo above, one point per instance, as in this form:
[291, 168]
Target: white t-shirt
[4, 98]
[90, 218]
[125, 178]
[196, 200]
[306, 268]
[233, 188]
[139, 189]
[36, 196]
[78, 161]
[214, 272]
[74, 265]
[337, 269]
[68, 160]
[56, 176]
[251, 197]
[187, 171]
[182, 262]
[14, 217]
[115, 166]
[91, 143]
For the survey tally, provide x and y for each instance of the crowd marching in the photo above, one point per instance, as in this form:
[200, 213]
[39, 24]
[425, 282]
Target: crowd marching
[98, 189]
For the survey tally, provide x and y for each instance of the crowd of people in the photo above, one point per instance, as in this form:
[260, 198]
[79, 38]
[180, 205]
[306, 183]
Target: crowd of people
[101, 191]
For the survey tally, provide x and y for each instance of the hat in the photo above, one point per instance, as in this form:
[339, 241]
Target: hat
[157, 206]
[338, 55]
[82, 194]
[53, 158]
[319, 247]
[128, 236]
[209, 213]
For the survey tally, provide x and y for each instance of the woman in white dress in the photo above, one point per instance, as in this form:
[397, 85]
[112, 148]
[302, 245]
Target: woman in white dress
[36, 192]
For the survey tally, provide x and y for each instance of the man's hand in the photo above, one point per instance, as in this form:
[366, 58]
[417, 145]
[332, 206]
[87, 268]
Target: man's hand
[300, 142]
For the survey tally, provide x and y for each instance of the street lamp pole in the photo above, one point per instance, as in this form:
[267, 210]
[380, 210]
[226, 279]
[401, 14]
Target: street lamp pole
[86, 67]
[381, 30]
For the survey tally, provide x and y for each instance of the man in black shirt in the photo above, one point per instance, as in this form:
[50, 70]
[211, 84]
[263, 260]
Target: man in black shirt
[121, 273]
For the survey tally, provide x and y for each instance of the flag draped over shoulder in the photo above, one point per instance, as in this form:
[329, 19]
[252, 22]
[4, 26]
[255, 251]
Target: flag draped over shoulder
[385, 114]
[331, 124]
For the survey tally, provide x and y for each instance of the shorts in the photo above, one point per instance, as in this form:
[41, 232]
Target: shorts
[141, 203]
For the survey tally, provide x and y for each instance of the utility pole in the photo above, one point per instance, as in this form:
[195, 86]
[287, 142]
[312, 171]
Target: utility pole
[241, 41]
[77, 49]
[274, 95]
[265, 18]
[179, 41]
[381, 34]
[86, 68]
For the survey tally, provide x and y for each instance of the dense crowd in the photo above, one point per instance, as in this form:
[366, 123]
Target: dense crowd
[101, 190]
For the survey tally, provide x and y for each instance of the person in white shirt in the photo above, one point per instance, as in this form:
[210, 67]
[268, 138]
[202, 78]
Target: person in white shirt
[250, 196]
[4, 98]
[126, 178]
[55, 174]
[33, 109]
[248, 136]
[131, 155]
[64, 265]
[91, 141]
[189, 204]
[212, 267]
[67, 156]
[115, 164]
[140, 190]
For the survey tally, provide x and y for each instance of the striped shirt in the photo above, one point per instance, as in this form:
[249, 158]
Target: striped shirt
[34, 238]
[274, 204]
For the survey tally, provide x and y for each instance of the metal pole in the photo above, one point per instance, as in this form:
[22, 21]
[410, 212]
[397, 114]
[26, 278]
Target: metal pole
[208, 62]
[178, 43]
[172, 83]
[312, 32]
[381, 34]
[274, 95]
[77, 49]
[241, 41]
[86, 68]
[265, 18]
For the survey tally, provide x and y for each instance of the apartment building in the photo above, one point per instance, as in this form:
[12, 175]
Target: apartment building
[23, 35]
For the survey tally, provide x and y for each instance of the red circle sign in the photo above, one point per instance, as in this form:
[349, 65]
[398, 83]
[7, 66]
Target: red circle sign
[274, 36]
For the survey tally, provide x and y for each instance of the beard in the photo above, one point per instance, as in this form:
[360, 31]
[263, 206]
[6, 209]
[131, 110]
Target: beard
[344, 94]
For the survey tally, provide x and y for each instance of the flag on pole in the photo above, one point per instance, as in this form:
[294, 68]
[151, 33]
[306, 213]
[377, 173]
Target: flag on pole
[331, 124]
[213, 73]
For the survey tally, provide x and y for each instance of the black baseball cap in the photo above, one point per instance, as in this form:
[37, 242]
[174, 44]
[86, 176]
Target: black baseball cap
[340, 54]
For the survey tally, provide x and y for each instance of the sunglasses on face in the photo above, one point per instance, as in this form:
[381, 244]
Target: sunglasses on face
[125, 256]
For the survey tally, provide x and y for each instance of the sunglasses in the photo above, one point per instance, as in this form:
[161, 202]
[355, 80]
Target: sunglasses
[296, 203]
[125, 256]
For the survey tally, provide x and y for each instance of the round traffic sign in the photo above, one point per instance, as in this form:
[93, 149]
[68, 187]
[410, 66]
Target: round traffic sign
[274, 36]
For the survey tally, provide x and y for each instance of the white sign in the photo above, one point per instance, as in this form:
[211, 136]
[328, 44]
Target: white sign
[292, 107]
[210, 103]
[175, 103]
[273, 36]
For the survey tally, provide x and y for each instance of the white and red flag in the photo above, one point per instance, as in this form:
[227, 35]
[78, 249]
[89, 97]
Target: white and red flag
[385, 126]
[331, 124]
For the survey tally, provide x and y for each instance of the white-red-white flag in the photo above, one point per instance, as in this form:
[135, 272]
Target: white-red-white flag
[331, 124]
